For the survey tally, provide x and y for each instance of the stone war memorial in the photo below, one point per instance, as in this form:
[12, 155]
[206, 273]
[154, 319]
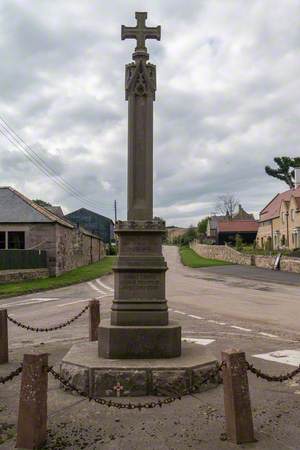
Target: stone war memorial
[139, 349]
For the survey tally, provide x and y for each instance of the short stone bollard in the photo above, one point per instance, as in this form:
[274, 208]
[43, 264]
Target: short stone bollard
[238, 414]
[94, 319]
[3, 337]
[32, 420]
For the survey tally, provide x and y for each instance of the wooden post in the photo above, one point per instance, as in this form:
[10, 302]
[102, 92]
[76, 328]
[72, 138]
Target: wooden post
[32, 420]
[94, 319]
[238, 414]
[3, 337]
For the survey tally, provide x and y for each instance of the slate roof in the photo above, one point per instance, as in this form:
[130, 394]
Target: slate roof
[272, 210]
[55, 210]
[17, 208]
[238, 226]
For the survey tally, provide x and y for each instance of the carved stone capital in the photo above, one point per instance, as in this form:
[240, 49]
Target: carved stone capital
[140, 79]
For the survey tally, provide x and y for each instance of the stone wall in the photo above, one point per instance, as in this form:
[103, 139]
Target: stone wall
[221, 252]
[229, 254]
[265, 262]
[290, 264]
[66, 247]
[75, 248]
[11, 276]
[41, 236]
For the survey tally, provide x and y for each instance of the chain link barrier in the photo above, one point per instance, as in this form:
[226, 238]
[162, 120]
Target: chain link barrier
[12, 375]
[267, 377]
[56, 327]
[212, 375]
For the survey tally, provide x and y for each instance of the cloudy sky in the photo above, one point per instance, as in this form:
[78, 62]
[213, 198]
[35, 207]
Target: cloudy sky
[228, 100]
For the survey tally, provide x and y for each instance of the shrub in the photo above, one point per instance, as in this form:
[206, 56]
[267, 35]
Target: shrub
[238, 242]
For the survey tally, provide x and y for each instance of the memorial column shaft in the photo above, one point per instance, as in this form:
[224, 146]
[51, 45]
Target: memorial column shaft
[140, 145]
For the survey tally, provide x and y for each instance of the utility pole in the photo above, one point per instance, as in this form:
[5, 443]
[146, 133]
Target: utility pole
[115, 207]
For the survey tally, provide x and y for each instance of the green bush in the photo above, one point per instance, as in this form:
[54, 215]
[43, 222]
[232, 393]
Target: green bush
[238, 242]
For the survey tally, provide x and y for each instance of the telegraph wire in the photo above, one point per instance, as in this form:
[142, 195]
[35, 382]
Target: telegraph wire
[45, 168]
[40, 167]
[10, 130]
[39, 163]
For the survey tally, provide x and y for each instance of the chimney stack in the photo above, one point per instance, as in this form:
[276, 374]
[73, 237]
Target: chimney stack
[297, 177]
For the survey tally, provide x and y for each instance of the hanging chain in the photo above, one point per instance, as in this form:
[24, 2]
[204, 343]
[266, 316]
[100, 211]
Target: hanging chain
[56, 327]
[12, 375]
[265, 376]
[172, 397]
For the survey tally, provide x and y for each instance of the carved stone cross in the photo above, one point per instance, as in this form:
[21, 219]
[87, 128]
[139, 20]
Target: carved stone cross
[118, 388]
[141, 32]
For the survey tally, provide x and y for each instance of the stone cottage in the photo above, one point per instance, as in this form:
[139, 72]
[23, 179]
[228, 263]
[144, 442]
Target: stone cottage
[24, 225]
[279, 221]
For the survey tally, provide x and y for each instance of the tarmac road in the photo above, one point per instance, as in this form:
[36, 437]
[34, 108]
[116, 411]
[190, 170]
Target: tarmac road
[215, 307]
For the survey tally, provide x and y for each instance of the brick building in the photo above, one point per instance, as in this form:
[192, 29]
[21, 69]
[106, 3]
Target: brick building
[24, 225]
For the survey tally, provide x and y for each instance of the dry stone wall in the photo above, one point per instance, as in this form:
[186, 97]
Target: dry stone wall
[265, 262]
[221, 252]
[11, 276]
[290, 264]
[229, 254]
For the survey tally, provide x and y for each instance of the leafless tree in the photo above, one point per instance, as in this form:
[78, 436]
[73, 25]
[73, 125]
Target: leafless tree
[226, 205]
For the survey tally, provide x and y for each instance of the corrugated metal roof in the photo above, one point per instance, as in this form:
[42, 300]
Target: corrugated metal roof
[16, 208]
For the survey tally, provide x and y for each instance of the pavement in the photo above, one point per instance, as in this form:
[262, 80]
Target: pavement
[241, 308]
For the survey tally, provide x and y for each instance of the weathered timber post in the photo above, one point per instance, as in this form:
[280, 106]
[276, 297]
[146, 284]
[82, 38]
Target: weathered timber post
[94, 319]
[32, 420]
[238, 414]
[3, 337]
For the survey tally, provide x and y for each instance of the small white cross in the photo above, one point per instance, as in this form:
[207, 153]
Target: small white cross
[118, 388]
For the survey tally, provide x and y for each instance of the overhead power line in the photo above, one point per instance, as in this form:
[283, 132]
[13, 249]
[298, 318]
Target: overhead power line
[41, 164]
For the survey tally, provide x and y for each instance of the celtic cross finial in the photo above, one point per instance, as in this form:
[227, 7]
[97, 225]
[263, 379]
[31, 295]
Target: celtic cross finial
[141, 32]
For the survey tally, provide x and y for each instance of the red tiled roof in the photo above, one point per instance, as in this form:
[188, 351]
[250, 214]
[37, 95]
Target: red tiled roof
[272, 210]
[238, 226]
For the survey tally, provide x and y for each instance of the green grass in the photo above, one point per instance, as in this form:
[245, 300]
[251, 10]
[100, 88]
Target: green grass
[75, 276]
[191, 259]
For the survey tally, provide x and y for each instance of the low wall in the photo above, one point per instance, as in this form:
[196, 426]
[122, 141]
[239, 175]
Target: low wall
[12, 276]
[290, 264]
[225, 253]
[222, 252]
[265, 262]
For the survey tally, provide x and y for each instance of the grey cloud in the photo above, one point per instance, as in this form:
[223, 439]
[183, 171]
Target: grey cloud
[227, 100]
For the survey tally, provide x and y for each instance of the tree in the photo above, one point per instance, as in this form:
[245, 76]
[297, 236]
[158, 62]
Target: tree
[226, 205]
[41, 202]
[285, 170]
[202, 226]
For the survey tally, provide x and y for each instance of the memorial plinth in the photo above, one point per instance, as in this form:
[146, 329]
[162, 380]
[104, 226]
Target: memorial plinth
[139, 325]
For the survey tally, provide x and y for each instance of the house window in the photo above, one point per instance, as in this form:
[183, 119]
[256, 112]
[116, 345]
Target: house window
[292, 214]
[16, 240]
[2, 240]
[282, 217]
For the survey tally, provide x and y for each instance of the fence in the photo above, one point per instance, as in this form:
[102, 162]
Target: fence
[32, 428]
[22, 259]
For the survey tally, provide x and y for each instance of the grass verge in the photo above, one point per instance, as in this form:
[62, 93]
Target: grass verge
[192, 259]
[79, 275]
